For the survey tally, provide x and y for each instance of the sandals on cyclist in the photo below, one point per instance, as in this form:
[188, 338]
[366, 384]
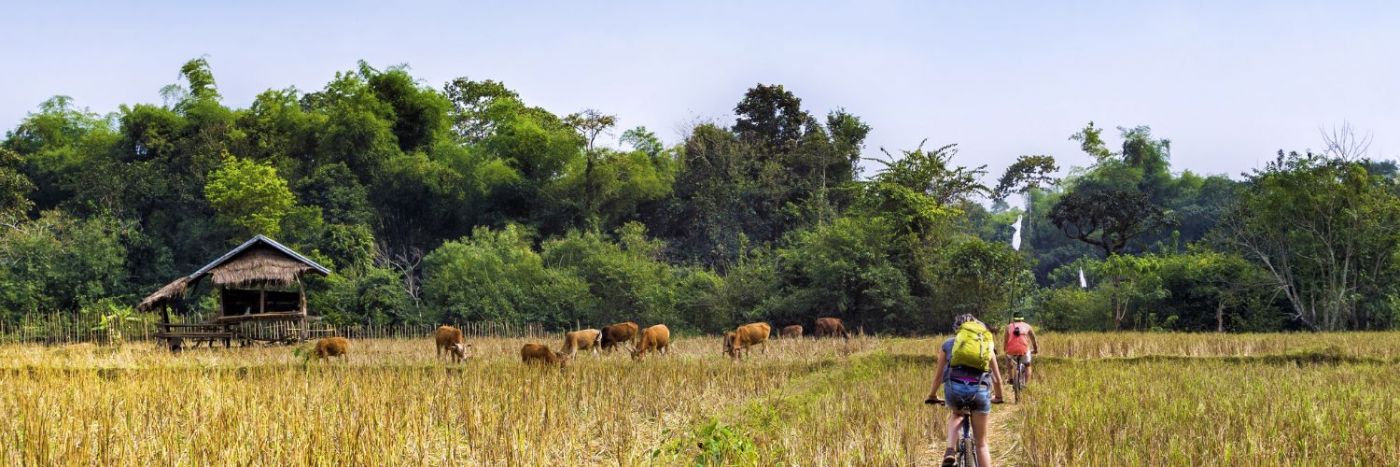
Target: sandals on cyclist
[949, 459]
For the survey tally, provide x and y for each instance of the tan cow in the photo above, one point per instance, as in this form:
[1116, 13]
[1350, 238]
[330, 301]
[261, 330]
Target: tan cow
[619, 333]
[450, 339]
[656, 338]
[333, 347]
[745, 337]
[792, 332]
[540, 354]
[831, 327]
[583, 339]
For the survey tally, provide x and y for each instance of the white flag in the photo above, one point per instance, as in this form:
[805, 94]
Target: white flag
[1016, 237]
[1083, 284]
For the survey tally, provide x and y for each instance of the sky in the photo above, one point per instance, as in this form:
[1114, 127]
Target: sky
[1229, 83]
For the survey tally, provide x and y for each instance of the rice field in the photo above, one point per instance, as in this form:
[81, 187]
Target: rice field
[1101, 399]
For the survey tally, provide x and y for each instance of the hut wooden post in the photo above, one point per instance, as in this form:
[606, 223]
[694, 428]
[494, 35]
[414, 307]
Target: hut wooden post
[301, 305]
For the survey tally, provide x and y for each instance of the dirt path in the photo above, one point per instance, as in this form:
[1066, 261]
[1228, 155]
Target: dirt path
[1004, 440]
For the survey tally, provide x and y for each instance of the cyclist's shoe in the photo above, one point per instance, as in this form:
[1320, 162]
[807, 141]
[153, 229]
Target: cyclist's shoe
[949, 459]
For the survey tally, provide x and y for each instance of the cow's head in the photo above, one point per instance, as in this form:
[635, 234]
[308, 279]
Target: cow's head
[563, 358]
[460, 349]
[729, 338]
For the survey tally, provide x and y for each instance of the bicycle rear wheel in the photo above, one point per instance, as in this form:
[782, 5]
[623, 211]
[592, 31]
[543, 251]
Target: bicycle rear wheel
[1018, 381]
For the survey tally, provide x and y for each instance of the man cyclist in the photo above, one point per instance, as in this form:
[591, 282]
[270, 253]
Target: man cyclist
[1020, 343]
[966, 389]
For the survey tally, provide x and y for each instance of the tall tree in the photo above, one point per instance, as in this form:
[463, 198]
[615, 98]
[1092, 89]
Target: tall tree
[1105, 217]
[249, 196]
[589, 124]
[1327, 231]
[472, 103]
[1026, 174]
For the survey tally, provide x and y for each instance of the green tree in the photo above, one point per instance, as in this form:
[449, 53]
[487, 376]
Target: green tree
[495, 275]
[1327, 232]
[249, 196]
[627, 279]
[1105, 217]
[472, 105]
[58, 263]
[14, 188]
[982, 278]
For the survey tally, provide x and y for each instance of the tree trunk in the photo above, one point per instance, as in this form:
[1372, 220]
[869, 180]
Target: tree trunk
[1116, 304]
[1220, 317]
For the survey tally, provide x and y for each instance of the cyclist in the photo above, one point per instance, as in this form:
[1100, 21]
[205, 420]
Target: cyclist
[966, 389]
[1020, 343]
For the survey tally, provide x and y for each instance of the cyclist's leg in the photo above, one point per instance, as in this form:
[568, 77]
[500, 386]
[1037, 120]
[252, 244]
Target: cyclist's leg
[979, 432]
[954, 429]
[1029, 368]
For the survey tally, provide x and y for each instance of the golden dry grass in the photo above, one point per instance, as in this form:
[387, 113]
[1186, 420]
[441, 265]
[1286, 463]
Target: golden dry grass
[1103, 399]
[1170, 411]
[390, 404]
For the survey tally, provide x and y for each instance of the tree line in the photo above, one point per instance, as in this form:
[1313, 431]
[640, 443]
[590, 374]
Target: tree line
[465, 203]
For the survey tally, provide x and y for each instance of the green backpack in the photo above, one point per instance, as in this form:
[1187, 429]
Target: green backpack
[973, 347]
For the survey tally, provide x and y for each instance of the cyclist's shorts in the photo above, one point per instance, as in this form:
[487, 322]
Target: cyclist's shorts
[1023, 359]
[974, 397]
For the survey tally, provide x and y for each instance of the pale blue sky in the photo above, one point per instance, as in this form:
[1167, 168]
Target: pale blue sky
[1228, 82]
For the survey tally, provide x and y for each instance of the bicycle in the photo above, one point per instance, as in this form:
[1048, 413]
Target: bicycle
[966, 451]
[1018, 378]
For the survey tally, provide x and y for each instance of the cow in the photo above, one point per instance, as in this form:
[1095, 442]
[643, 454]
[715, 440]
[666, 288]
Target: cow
[792, 332]
[831, 327]
[582, 340]
[450, 339]
[540, 354]
[656, 338]
[333, 347]
[618, 333]
[745, 337]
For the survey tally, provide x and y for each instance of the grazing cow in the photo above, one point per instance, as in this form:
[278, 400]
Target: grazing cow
[582, 340]
[792, 332]
[618, 333]
[540, 354]
[656, 338]
[745, 337]
[832, 327]
[333, 347]
[450, 339]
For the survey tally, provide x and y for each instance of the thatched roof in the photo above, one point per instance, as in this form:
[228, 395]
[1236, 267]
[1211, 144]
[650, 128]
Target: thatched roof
[259, 261]
[171, 291]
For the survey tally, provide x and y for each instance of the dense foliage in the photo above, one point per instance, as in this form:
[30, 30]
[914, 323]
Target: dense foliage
[467, 203]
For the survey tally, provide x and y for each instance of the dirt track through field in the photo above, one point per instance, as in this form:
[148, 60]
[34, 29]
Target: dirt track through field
[1003, 441]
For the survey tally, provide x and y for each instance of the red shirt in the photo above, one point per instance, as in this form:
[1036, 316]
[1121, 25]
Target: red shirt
[1018, 339]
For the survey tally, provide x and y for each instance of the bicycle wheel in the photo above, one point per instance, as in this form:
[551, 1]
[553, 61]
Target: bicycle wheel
[967, 454]
[1018, 381]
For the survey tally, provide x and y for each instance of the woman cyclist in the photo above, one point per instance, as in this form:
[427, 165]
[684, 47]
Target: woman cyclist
[966, 389]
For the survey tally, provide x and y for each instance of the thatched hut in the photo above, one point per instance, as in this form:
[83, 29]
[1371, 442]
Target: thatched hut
[259, 281]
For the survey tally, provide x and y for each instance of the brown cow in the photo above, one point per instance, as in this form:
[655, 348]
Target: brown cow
[618, 333]
[656, 338]
[745, 337]
[540, 353]
[450, 339]
[333, 347]
[832, 327]
[792, 332]
[582, 340]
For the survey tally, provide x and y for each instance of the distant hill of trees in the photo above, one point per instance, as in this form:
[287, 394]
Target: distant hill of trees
[465, 203]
